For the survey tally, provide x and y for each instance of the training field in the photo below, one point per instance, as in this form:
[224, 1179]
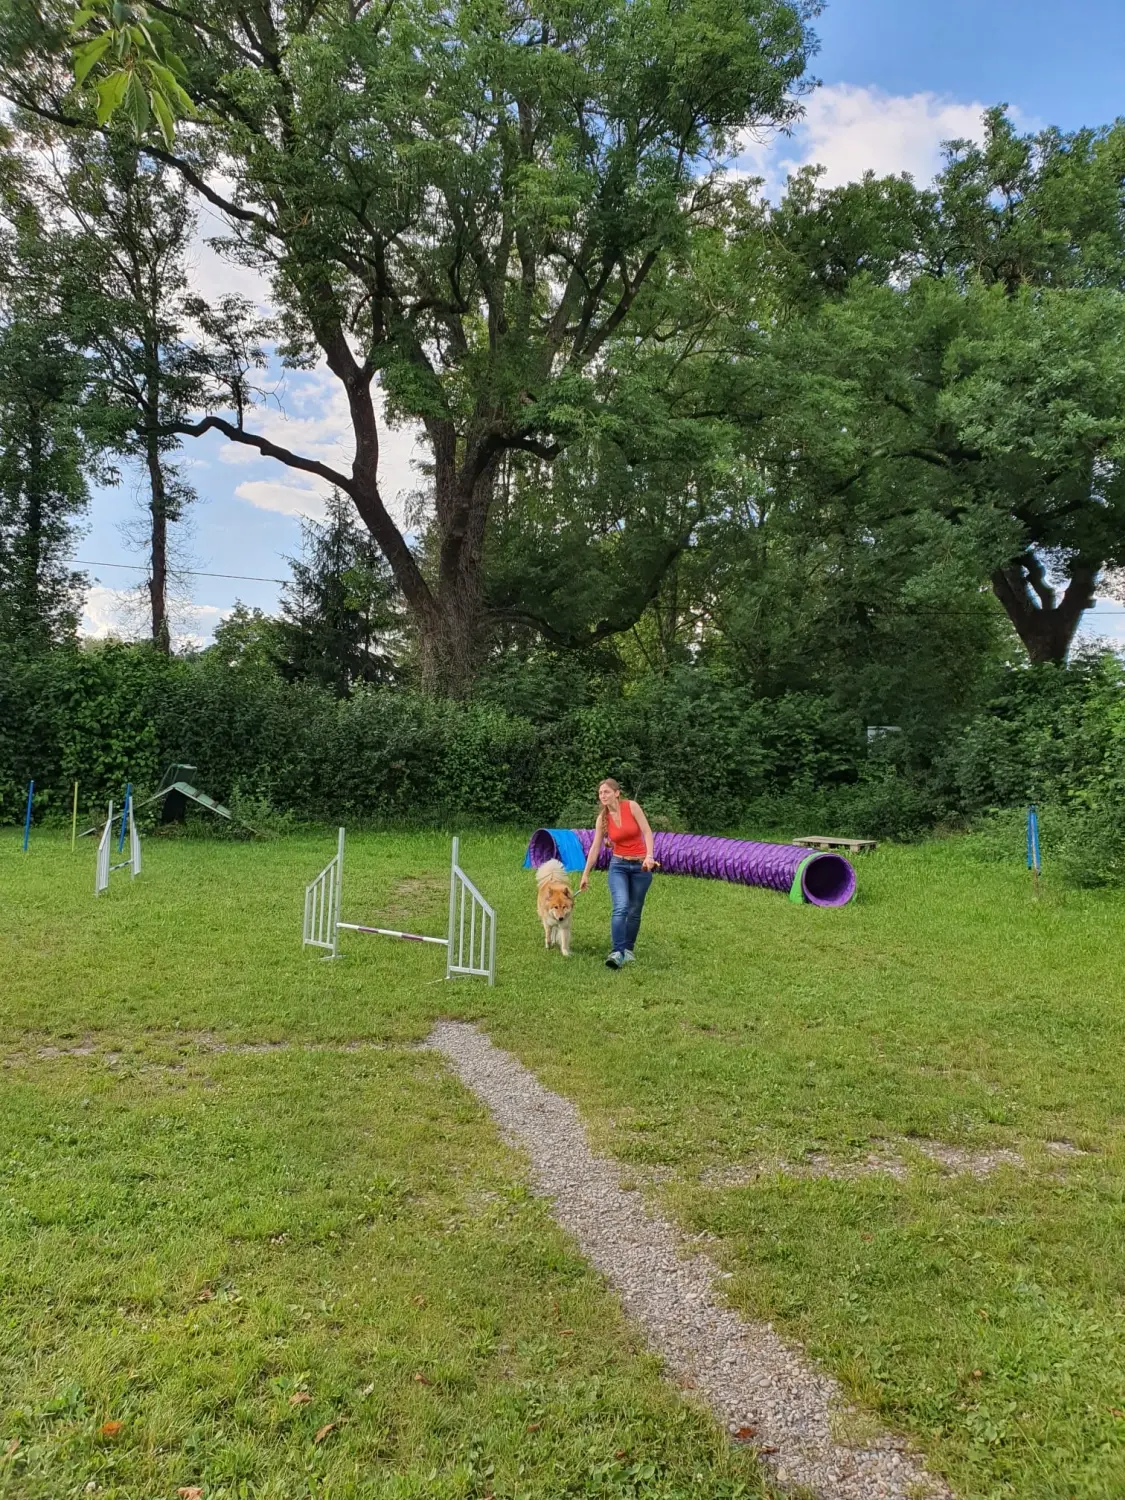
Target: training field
[254, 1241]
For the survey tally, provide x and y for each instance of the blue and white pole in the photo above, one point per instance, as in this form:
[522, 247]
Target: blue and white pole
[27, 815]
[1033, 845]
[125, 816]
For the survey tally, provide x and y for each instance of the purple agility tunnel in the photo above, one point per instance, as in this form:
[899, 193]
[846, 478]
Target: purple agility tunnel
[806, 875]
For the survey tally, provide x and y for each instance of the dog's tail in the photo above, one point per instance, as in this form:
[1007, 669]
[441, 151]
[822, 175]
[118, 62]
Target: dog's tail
[550, 869]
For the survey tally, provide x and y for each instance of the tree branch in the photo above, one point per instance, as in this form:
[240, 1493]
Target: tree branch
[268, 450]
[189, 174]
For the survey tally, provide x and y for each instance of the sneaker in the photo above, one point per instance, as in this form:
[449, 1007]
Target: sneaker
[614, 961]
[628, 956]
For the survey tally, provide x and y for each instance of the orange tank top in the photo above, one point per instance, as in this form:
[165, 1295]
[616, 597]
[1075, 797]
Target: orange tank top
[625, 836]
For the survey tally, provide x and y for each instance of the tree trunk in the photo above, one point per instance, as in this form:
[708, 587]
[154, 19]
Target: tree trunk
[30, 610]
[447, 645]
[1045, 624]
[451, 628]
[158, 543]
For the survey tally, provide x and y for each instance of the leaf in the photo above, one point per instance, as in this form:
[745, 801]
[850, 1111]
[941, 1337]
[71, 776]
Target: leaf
[325, 1430]
[163, 76]
[420, 1379]
[299, 1398]
[206, 1295]
[111, 1429]
[744, 1434]
[11, 1447]
[180, 100]
[137, 105]
[87, 55]
[111, 91]
[83, 18]
[165, 119]
[190, 1492]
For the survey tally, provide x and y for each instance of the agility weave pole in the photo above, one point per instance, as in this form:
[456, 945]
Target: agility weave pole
[471, 955]
[104, 868]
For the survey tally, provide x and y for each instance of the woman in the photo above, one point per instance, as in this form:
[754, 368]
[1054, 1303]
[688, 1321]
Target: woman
[624, 826]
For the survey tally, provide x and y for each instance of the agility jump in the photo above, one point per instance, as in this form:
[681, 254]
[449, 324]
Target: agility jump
[471, 953]
[105, 868]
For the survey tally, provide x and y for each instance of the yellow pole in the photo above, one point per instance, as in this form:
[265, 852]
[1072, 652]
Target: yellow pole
[74, 821]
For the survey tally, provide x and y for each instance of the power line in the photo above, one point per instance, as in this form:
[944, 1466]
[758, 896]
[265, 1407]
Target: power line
[82, 562]
[187, 572]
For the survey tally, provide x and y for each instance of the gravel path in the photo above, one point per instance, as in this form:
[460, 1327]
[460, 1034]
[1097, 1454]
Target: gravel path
[758, 1387]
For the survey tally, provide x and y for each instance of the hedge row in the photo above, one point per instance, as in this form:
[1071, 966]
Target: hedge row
[706, 749]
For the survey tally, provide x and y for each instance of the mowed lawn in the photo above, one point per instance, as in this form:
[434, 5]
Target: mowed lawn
[191, 1238]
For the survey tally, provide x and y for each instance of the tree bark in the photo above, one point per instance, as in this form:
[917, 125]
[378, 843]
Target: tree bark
[158, 543]
[451, 623]
[1045, 623]
[31, 607]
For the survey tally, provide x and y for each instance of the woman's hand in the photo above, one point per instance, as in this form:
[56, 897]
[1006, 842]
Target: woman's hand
[648, 863]
[584, 882]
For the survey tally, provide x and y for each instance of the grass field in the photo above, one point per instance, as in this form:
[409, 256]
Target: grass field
[191, 1238]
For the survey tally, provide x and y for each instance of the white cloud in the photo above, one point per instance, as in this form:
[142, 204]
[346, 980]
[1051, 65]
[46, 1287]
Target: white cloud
[313, 420]
[1105, 622]
[108, 612]
[193, 625]
[286, 497]
[849, 129]
[213, 275]
[122, 614]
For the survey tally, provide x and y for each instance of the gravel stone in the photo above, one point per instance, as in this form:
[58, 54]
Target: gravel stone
[743, 1370]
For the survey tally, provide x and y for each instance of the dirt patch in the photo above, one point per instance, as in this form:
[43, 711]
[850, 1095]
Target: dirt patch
[886, 1159]
[414, 895]
[185, 1046]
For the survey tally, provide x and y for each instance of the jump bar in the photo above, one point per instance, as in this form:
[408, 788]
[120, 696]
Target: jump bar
[411, 937]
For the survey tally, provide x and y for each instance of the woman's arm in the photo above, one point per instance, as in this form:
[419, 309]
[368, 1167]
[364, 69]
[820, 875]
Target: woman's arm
[595, 850]
[646, 834]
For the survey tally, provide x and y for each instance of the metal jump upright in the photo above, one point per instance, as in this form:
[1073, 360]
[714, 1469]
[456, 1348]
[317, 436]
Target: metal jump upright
[470, 954]
[105, 849]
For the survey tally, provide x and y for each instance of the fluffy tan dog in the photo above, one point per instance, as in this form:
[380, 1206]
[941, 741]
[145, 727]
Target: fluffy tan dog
[556, 904]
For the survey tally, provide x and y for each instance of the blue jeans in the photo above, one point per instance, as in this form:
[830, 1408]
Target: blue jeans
[628, 887]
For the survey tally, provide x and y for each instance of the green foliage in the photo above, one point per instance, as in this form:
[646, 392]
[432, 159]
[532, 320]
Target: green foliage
[515, 181]
[703, 751]
[339, 616]
[43, 485]
[972, 363]
[131, 66]
[114, 713]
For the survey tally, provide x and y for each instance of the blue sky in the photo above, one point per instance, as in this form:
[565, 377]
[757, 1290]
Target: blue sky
[897, 78]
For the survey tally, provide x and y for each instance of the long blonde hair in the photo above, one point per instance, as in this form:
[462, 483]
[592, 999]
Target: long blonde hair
[608, 781]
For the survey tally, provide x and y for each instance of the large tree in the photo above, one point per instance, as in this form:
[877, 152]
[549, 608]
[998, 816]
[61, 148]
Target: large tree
[977, 331]
[459, 205]
[125, 284]
[113, 233]
[42, 486]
